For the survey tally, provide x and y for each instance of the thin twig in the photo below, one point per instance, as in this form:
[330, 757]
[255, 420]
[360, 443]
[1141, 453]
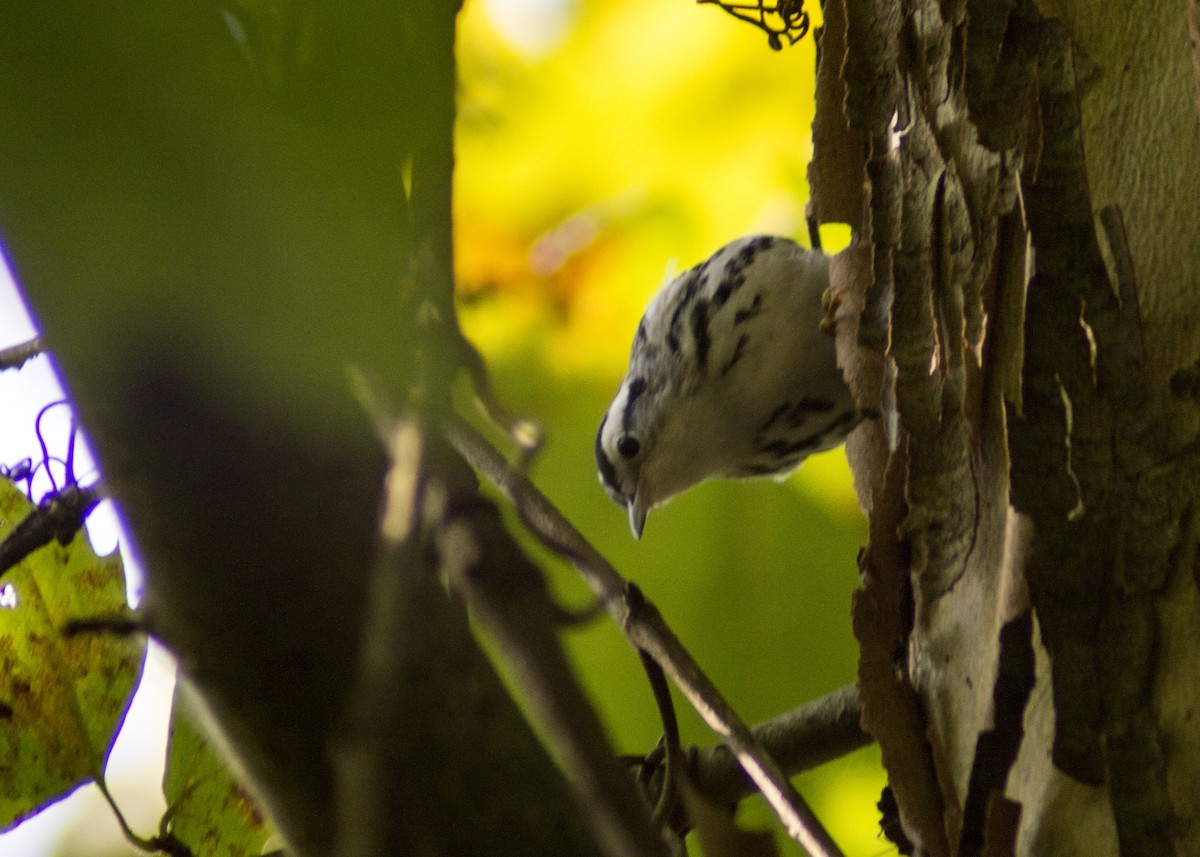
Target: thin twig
[164, 843]
[672, 749]
[647, 631]
[16, 356]
[58, 517]
[799, 740]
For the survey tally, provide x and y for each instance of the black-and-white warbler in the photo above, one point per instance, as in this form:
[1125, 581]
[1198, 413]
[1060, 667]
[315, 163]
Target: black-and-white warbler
[729, 375]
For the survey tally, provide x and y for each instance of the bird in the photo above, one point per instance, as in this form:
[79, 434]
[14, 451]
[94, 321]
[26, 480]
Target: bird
[730, 375]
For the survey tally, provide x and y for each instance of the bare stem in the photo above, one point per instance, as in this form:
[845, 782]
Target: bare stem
[15, 356]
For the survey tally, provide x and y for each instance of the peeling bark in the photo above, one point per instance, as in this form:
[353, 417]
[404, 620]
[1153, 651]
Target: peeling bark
[1042, 343]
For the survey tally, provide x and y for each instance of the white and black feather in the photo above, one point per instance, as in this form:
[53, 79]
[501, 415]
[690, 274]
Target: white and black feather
[729, 375]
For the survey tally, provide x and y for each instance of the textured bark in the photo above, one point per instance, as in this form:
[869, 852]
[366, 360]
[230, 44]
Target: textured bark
[1034, 298]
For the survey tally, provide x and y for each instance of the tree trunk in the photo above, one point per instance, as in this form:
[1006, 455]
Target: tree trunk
[1021, 181]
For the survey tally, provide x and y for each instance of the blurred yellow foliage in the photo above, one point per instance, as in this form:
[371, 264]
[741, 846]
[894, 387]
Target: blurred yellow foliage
[598, 141]
[649, 131]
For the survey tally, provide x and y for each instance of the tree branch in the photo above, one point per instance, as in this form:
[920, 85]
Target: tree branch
[799, 740]
[647, 630]
[399, 588]
[508, 599]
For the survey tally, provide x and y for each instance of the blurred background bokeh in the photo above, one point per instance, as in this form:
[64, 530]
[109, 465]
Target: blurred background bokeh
[601, 142]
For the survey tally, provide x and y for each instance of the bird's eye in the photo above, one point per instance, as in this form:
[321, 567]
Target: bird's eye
[628, 446]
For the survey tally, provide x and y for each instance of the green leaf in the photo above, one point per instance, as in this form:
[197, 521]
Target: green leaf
[62, 700]
[209, 810]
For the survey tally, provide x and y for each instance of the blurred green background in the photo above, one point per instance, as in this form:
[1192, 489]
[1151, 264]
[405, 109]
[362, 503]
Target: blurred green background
[598, 141]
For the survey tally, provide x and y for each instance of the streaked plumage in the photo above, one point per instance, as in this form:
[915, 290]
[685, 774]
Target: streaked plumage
[729, 375]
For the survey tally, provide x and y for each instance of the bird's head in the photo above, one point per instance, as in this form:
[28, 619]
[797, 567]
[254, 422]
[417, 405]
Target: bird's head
[645, 451]
[619, 458]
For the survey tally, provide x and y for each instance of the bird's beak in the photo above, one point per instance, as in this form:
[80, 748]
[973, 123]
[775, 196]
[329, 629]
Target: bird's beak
[637, 514]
